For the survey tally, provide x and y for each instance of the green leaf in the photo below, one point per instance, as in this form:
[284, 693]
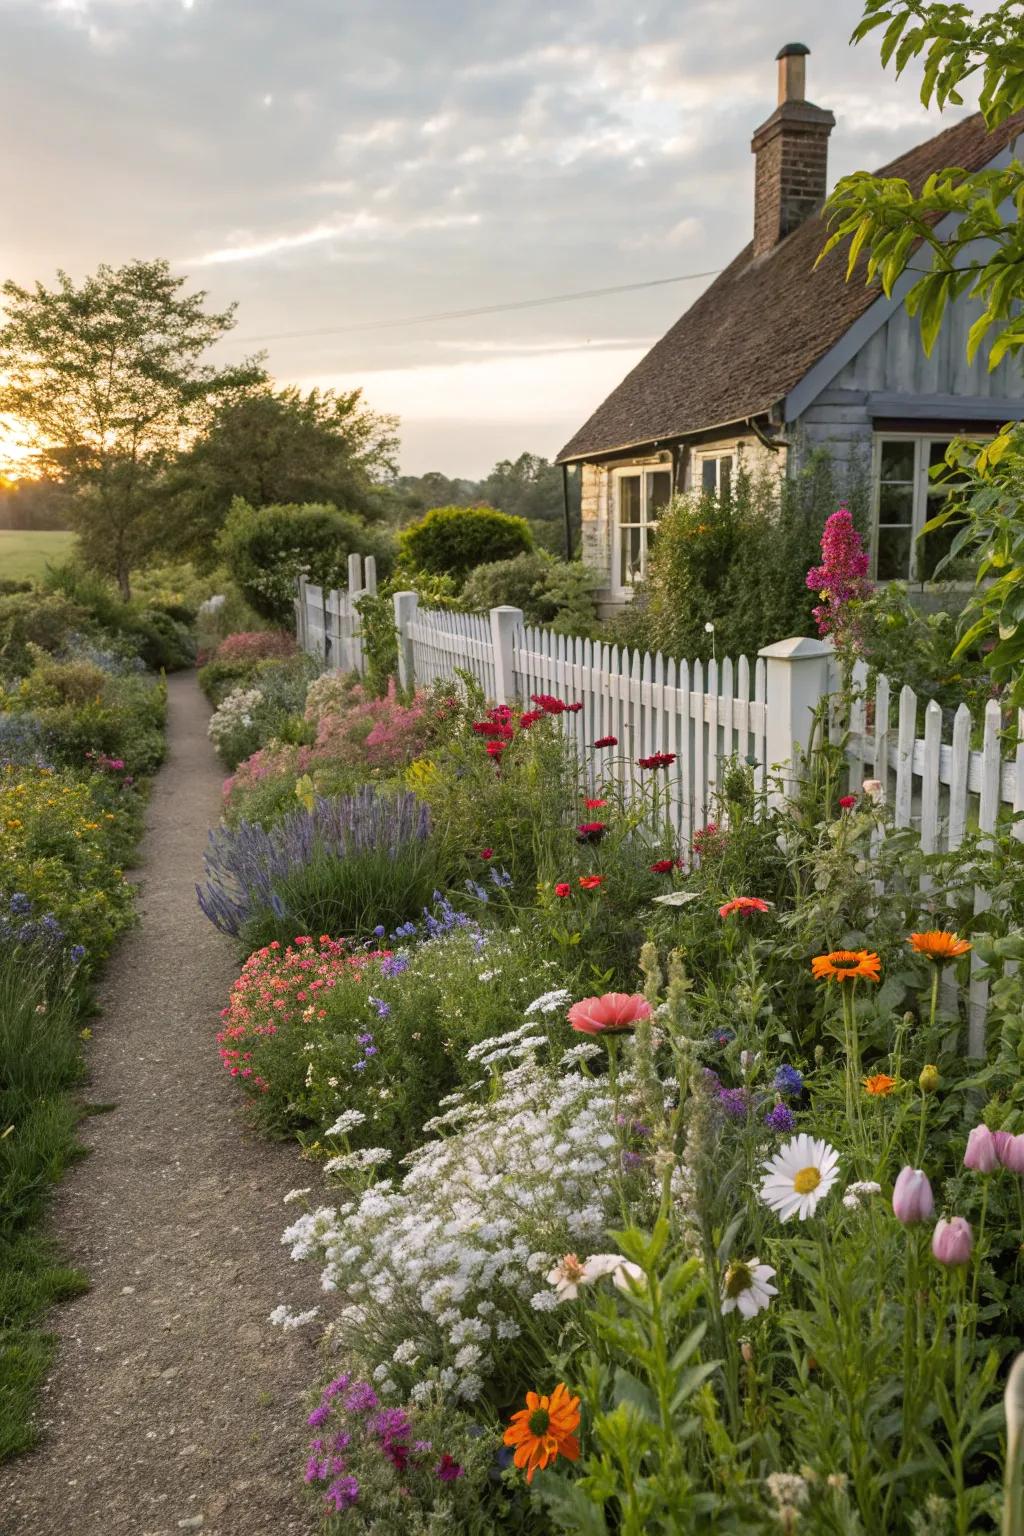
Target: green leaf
[568, 1505]
[628, 1388]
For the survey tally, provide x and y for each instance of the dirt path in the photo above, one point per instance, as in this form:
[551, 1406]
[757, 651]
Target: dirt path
[173, 1405]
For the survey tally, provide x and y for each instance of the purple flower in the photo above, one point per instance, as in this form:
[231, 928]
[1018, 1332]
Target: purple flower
[371, 1050]
[421, 1447]
[448, 1469]
[382, 1008]
[632, 1160]
[342, 1494]
[359, 1066]
[318, 1469]
[780, 1118]
[789, 1080]
[389, 1424]
[394, 965]
[362, 1398]
[365, 1039]
[735, 1102]
[379, 931]
[841, 579]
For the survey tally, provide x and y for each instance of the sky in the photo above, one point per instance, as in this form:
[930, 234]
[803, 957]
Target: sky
[339, 167]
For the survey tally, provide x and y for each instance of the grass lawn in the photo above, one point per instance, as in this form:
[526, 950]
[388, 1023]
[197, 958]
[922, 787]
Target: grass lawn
[25, 553]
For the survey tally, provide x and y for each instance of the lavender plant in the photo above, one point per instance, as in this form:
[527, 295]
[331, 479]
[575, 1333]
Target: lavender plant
[341, 866]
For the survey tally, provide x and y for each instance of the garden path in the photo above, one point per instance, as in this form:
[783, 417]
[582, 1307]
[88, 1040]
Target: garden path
[173, 1405]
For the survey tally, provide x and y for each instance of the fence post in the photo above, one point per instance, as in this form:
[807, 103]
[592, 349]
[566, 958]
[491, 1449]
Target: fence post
[505, 621]
[300, 611]
[370, 574]
[796, 680]
[406, 604]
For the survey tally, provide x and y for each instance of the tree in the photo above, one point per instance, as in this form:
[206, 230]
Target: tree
[978, 251]
[274, 447]
[108, 379]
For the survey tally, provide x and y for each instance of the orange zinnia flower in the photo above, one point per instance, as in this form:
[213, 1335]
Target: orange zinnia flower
[938, 945]
[846, 965]
[543, 1430]
[879, 1085]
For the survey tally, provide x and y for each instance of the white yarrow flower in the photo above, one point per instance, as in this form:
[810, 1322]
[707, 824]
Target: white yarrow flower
[799, 1175]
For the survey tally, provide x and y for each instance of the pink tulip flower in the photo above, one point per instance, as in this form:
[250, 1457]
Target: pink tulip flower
[981, 1153]
[609, 1014]
[912, 1198]
[1009, 1150]
[952, 1242]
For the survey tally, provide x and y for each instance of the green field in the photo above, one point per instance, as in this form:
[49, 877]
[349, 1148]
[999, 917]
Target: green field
[25, 554]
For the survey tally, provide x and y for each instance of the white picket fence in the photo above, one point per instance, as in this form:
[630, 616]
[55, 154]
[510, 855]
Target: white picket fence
[327, 623]
[705, 715]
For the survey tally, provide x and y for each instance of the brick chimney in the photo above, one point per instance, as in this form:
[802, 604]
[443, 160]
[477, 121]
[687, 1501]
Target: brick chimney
[791, 149]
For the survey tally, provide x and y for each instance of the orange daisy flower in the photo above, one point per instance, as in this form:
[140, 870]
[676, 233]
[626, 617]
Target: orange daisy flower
[543, 1430]
[879, 1085]
[938, 945]
[846, 965]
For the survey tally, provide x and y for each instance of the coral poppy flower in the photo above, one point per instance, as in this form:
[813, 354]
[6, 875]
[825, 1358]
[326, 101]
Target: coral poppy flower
[743, 904]
[938, 945]
[606, 741]
[562, 888]
[594, 805]
[543, 1430]
[663, 866]
[609, 1013]
[591, 882]
[879, 1085]
[656, 760]
[846, 965]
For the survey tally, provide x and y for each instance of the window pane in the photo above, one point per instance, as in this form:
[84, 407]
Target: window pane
[725, 478]
[896, 504]
[894, 554]
[659, 492]
[933, 546]
[897, 460]
[629, 498]
[709, 474]
[937, 452]
[629, 570]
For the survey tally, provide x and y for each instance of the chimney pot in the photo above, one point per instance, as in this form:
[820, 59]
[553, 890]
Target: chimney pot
[792, 71]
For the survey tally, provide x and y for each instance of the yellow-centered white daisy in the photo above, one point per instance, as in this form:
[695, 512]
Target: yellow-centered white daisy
[747, 1287]
[799, 1175]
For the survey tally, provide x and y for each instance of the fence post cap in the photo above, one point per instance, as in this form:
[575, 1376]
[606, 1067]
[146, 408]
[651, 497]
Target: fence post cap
[797, 648]
[507, 608]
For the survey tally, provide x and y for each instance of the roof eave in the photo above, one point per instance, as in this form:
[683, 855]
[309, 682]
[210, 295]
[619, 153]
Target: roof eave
[668, 439]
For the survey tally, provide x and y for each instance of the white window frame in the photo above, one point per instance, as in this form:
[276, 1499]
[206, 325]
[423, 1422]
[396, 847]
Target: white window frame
[716, 457]
[921, 480]
[641, 472]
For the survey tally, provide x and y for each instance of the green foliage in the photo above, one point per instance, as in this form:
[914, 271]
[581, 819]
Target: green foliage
[277, 448]
[379, 640]
[452, 540]
[161, 641]
[267, 548]
[740, 562]
[46, 621]
[916, 650]
[133, 328]
[555, 592]
[528, 487]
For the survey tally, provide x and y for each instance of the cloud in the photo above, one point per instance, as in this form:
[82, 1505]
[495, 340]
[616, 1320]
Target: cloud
[360, 226]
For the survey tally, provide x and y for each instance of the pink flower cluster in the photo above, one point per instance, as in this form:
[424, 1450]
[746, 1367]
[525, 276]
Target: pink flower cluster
[255, 645]
[281, 986]
[372, 732]
[841, 579]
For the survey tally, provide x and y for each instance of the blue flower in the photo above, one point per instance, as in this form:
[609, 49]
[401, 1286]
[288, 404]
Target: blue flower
[379, 931]
[780, 1118]
[77, 954]
[20, 904]
[789, 1080]
[359, 1066]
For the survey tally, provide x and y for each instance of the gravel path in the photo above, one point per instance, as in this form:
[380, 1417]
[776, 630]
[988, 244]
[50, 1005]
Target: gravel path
[173, 1405]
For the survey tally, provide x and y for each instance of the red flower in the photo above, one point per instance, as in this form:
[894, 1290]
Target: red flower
[487, 728]
[495, 748]
[847, 802]
[606, 741]
[574, 709]
[562, 888]
[549, 704]
[663, 866]
[591, 831]
[609, 1014]
[591, 882]
[656, 760]
[487, 853]
[743, 904]
[594, 805]
[530, 717]
[448, 1470]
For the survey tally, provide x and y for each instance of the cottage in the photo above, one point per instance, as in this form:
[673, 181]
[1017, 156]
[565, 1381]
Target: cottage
[778, 356]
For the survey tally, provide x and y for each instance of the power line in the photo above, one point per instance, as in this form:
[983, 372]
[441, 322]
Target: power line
[484, 309]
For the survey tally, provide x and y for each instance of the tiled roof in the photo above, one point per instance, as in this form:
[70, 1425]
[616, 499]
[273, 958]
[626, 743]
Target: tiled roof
[759, 328]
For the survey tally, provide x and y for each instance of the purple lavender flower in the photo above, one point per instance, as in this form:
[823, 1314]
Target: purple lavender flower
[789, 1080]
[735, 1102]
[780, 1118]
[631, 1160]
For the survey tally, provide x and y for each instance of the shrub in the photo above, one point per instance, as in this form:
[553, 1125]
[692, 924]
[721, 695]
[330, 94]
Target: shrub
[452, 540]
[342, 866]
[79, 707]
[266, 550]
[555, 592]
[164, 643]
[255, 645]
[371, 732]
[44, 620]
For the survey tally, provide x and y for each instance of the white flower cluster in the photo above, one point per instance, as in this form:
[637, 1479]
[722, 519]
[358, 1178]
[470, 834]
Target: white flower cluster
[284, 1317]
[234, 713]
[443, 1267]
